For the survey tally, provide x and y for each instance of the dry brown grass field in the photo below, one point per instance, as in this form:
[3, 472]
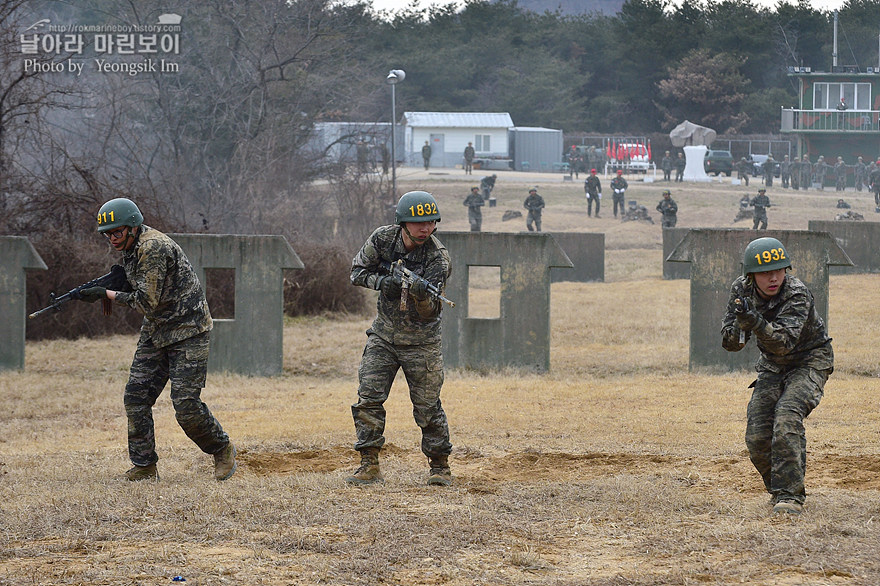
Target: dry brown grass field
[616, 467]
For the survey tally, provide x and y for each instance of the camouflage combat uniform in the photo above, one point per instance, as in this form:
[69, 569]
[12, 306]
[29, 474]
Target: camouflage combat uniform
[760, 202]
[796, 360]
[173, 345]
[669, 209]
[402, 339]
[535, 204]
[474, 201]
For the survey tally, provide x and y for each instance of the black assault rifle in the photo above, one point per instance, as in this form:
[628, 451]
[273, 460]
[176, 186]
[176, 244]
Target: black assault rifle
[114, 280]
[408, 278]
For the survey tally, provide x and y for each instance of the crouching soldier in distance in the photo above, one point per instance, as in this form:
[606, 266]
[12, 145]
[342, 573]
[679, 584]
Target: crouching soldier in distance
[405, 335]
[174, 339]
[796, 360]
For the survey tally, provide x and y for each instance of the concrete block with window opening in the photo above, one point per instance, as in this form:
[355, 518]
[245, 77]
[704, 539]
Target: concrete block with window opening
[520, 337]
[252, 342]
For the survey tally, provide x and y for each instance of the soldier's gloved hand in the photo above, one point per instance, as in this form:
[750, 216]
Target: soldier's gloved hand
[419, 290]
[389, 285]
[748, 319]
[92, 294]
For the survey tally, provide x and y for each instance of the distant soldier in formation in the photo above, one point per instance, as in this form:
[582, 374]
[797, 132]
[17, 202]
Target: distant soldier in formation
[760, 202]
[796, 173]
[680, 164]
[669, 210]
[474, 201]
[785, 171]
[744, 212]
[769, 170]
[593, 191]
[619, 186]
[534, 203]
[875, 184]
[666, 164]
[636, 212]
[796, 359]
[861, 174]
[743, 170]
[469, 154]
[840, 175]
[820, 169]
[806, 173]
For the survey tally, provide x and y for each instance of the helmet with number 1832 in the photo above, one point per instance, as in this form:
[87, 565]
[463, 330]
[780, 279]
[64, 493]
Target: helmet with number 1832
[765, 254]
[416, 206]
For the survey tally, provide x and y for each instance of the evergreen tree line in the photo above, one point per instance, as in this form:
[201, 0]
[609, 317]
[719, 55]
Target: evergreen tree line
[645, 69]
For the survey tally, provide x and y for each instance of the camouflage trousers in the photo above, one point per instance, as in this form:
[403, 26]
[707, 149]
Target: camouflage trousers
[775, 433]
[534, 216]
[475, 219]
[423, 367]
[185, 364]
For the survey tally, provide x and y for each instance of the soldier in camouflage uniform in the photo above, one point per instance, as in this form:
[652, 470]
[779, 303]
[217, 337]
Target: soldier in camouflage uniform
[403, 338]
[474, 202]
[669, 210]
[760, 202]
[174, 339]
[534, 203]
[796, 360]
[806, 173]
[840, 175]
[861, 174]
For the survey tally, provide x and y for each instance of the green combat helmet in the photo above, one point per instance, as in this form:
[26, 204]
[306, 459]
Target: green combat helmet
[764, 254]
[117, 213]
[416, 206]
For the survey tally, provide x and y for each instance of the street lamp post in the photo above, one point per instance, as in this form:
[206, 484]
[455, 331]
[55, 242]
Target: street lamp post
[394, 76]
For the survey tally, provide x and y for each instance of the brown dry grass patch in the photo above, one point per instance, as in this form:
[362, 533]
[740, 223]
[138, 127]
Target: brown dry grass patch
[616, 467]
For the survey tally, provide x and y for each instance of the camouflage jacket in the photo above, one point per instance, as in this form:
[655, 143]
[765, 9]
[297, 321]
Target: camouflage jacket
[619, 183]
[592, 186]
[474, 201]
[419, 323]
[165, 289]
[760, 203]
[667, 207]
[534, 203]
[793, 333]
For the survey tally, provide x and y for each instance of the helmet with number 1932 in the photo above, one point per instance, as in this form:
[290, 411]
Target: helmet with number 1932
[765, 254]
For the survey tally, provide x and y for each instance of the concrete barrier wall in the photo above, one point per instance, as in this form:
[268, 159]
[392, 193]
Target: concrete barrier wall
[521, 336]
[17, 255]
[860, 241]
[587, 254]
[674, 270]
[716, 256]
[252, 342]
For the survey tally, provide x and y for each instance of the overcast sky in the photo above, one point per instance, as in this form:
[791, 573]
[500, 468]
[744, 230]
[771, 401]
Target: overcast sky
[398, 4]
